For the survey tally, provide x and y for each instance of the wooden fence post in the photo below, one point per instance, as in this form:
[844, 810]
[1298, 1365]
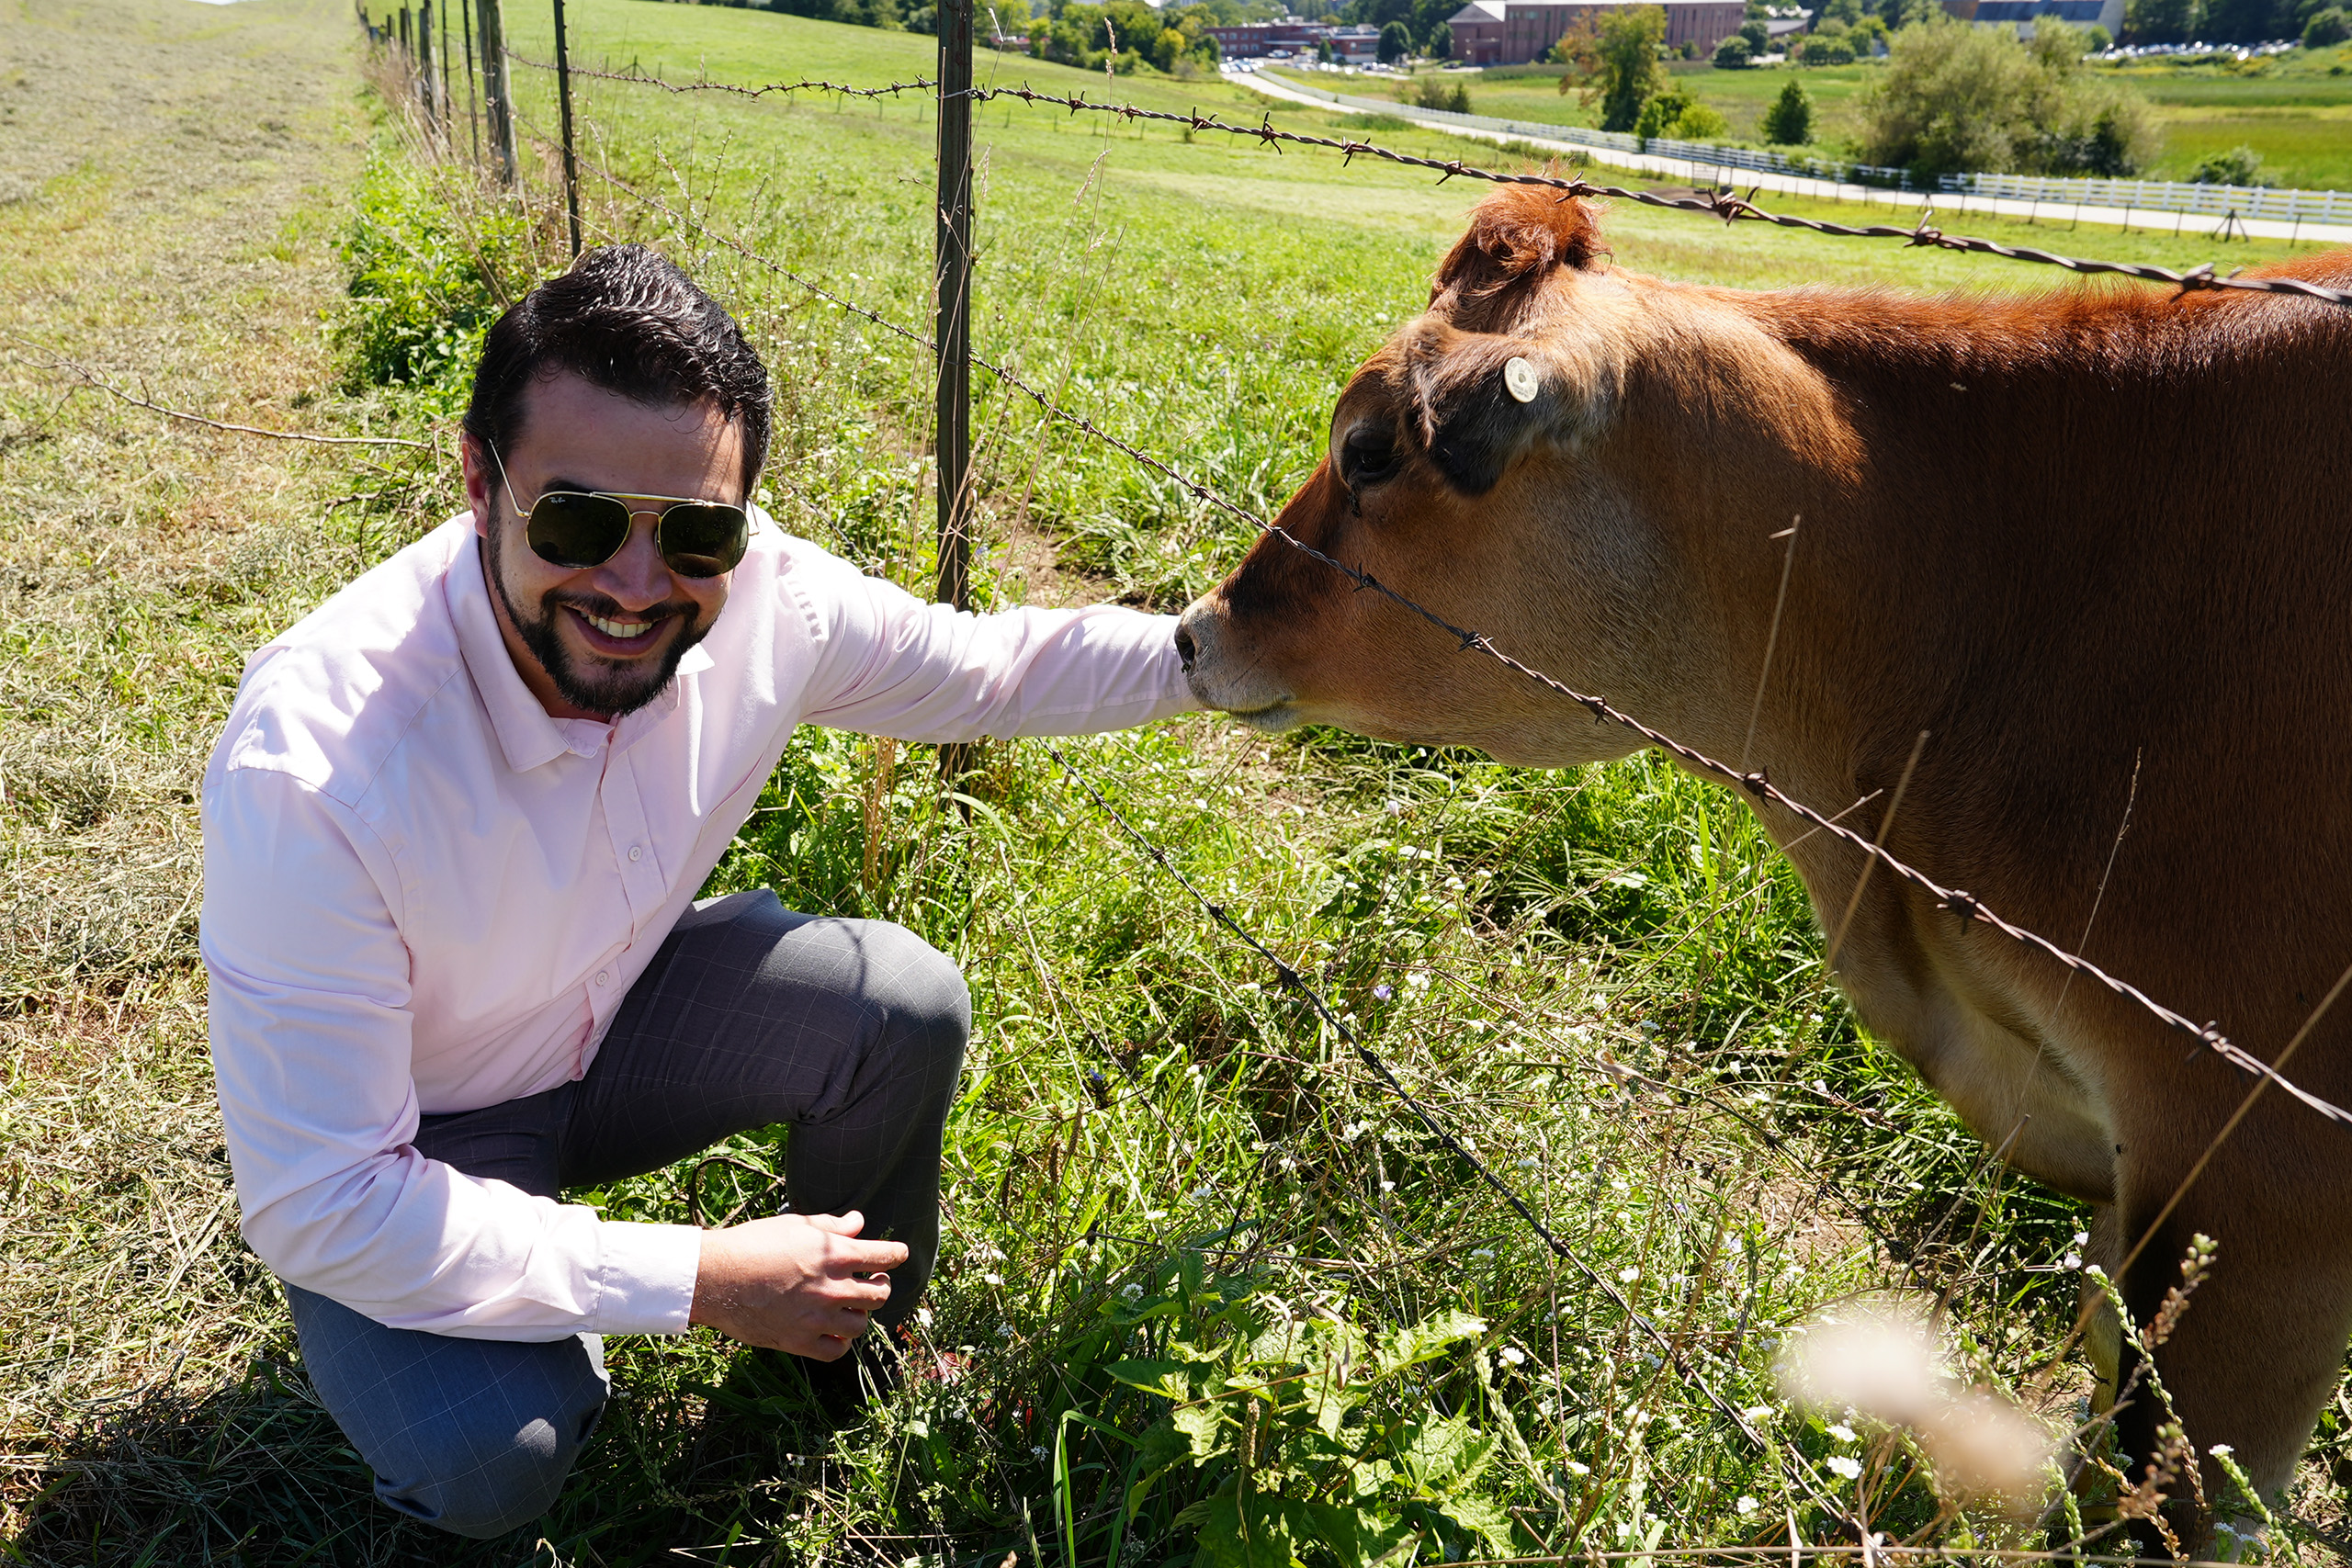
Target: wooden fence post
[571, 163]
[423, 61]
[494, 88]
[473, 102]
[952, 444]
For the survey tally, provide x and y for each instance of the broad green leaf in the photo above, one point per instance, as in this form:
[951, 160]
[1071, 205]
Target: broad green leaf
[1485, 1517]
[1205, 1426]
[1445, 1454]
[1170, 1379]
[1233, 1537]
[1429, 1340]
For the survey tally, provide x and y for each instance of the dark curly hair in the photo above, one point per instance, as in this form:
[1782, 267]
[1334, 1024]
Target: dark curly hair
[626, 319]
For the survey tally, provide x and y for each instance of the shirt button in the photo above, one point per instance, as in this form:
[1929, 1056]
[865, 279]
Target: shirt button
[601, 976]
[636, 851]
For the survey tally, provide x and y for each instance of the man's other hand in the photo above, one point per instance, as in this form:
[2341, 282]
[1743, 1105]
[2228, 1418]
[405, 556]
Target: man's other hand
[805, 1284]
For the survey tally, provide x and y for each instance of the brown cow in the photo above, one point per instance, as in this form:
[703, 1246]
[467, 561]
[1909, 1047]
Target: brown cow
[2069, 535]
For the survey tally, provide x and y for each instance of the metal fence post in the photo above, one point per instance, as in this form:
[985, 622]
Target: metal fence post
[952, 444]
[494, 88]
[571, 163]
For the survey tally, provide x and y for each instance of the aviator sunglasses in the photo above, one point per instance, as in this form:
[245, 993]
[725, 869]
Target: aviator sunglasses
[576, 529]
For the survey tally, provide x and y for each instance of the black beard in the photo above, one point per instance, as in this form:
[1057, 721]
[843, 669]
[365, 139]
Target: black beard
[600, 685]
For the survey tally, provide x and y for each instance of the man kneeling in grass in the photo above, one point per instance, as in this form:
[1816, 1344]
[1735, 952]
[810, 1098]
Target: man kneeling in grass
[453, 831]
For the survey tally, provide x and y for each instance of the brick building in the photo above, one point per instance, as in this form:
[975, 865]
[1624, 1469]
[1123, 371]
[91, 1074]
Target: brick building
[1512, 32]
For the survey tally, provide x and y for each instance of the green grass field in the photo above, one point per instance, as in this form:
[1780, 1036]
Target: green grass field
[1605, 980]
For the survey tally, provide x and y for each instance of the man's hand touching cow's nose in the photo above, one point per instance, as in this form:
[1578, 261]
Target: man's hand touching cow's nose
[805, 1284]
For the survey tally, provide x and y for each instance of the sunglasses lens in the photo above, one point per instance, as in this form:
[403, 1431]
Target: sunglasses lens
[569, 529]
[704, 540]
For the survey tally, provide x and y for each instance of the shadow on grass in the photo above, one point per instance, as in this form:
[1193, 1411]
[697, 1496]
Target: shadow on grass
[255, 1473]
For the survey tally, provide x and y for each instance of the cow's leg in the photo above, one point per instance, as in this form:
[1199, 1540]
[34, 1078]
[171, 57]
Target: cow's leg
[2260, 1347]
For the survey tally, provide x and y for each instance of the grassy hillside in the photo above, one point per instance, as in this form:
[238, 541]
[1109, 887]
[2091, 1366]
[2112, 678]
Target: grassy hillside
[1605, 981]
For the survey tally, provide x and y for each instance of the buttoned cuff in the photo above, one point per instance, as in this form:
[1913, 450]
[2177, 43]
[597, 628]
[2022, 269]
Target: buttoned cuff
[646, 1277]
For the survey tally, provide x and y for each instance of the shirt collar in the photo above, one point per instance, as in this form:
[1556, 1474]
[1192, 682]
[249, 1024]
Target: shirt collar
[526, 733]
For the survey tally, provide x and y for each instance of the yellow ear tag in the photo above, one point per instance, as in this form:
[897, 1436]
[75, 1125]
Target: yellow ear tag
[1521, 379]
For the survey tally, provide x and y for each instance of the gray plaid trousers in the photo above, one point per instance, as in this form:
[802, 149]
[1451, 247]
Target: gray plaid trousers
[851, 1032]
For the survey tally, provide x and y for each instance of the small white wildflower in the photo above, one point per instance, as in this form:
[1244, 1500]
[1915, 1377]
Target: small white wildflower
[1577, 1467]
[1484, 1252]
[1838, 1465]
[1513, 1355]
[1388, 1187]
[1203, 1190]
[1131, 1291]
[2074, 1260]
[1745, 1506]
[1757, 1413]
[1004, 1331]
[1628, 1274]
[1039, 1451]
[1842, 1432]
[1531, 1163]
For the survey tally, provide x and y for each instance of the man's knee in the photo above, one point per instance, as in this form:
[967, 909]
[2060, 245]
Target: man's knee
[469, 1436]
[926, 1006]
[484, 1484]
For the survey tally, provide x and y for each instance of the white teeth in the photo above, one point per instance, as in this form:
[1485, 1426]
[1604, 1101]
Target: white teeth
[623, 629]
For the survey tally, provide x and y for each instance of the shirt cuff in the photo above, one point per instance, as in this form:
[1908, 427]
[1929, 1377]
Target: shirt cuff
[646, 1277]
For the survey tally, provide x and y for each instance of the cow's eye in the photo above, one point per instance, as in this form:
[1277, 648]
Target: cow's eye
[1369, 456]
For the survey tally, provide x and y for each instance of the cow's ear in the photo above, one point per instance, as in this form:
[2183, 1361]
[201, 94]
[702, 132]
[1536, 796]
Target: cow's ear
[1517, 240]
[1481, 401]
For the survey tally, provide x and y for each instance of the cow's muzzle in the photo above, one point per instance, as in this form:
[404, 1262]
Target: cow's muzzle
[1224, 673]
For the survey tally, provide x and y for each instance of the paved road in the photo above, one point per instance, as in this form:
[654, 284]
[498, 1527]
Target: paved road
[1904, 205]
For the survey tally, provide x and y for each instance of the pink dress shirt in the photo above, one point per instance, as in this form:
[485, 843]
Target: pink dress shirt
[422, 894]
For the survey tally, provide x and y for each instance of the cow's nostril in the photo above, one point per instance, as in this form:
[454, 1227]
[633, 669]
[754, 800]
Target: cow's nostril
[1185, 651]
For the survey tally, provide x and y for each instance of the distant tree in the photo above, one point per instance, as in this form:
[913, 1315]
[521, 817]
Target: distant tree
[1438, 45]
[1845, 13]
[1827, 49]
[1789, 118]
[1733, 54]
[2096, 40]
[1957, 100]
[1614, 63]
[2238, 166]
[1427, 17]
[2163, 21]
[2331, 26]
[1323, 51]
[1758, 34]
[1395, 43]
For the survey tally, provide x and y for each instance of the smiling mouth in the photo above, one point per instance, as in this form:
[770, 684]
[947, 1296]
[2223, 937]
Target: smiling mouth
[618, 630]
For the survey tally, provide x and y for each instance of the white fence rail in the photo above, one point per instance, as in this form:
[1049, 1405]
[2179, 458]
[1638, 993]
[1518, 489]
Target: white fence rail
[2150, 196]
[2163, 195]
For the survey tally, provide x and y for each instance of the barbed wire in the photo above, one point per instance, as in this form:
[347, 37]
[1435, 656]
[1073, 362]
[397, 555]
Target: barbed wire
[637, 77]
[1966, 906]
[1723, 205]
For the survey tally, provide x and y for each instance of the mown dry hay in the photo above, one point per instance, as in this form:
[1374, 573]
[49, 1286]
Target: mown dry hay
[168, 174]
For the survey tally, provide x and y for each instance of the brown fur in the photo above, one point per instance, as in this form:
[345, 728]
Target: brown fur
[2062, 533]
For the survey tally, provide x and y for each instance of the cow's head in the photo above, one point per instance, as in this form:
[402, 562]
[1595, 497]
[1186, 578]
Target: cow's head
[1516, 458]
